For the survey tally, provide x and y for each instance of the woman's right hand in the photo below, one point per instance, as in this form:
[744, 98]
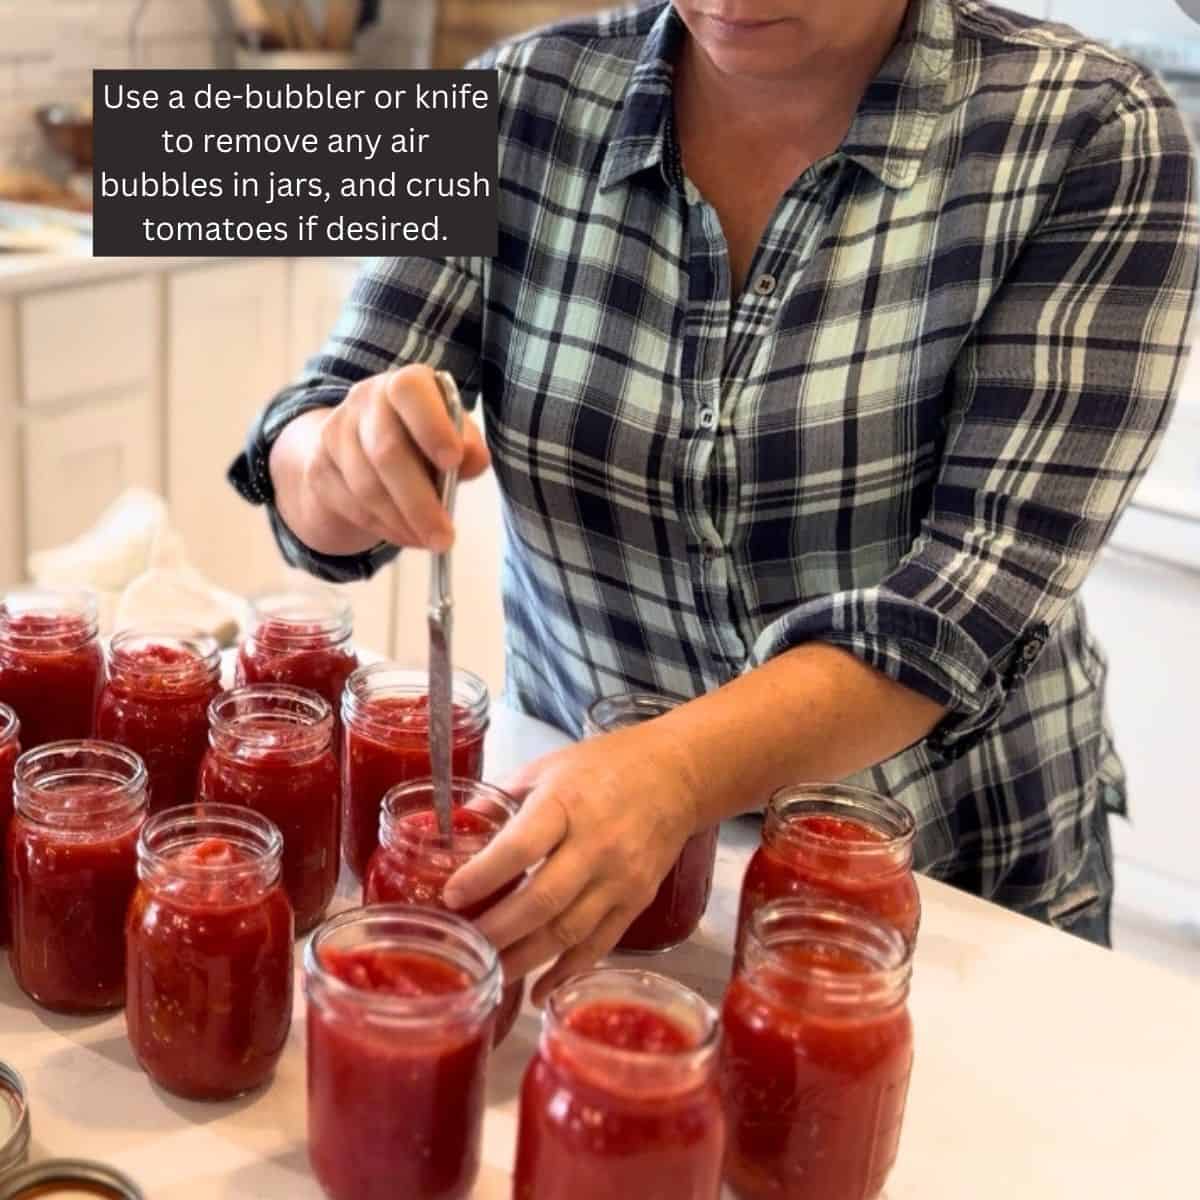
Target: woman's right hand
[350, 477]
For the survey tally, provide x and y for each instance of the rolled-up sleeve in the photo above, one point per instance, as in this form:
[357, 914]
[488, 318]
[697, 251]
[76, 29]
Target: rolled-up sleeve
[1060, 396]
[400, 311]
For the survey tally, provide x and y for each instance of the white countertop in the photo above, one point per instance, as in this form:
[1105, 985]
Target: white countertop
[35, 272]
[1045, 1067]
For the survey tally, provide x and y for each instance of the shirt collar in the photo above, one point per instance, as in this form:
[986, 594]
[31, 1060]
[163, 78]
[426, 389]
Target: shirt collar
[889, 134]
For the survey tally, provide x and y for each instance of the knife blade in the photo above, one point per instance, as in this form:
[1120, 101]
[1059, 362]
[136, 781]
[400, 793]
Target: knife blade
[441, 622]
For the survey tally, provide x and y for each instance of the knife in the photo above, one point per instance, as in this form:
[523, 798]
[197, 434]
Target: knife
[441, 615]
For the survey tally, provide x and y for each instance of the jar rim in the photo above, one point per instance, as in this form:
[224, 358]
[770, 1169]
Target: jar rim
[175, 829]
[656, 992]
[873, 809]
[391, 680]
[75, 1171]
[831, 923]
[122, 651]
[237, 714]
[14, 1142]
[610, 713]
[399, 802]
[41, 774]
[309, 619]
[79, 603]
[10, 724]
[420, 930]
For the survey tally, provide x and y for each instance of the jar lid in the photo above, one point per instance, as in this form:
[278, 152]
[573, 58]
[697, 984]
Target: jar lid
[14, 1119]
[69, 1179]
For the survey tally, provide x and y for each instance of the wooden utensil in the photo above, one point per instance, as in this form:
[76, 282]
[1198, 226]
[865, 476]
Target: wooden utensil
[341, 23]
[278, 25]
[304, 29]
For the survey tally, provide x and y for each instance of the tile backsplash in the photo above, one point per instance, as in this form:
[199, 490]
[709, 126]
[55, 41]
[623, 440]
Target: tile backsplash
[49, 47]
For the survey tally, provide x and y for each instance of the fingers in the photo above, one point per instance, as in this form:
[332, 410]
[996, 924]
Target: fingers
[344, 460]
[338, 500]
[527, 839]
[414, 395]
[398, 470]
[586, 955]
[373, 467]
[539, 904]
[562, 935]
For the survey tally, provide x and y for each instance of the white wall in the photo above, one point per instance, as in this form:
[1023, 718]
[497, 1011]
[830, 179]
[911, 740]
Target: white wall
[1121, 21]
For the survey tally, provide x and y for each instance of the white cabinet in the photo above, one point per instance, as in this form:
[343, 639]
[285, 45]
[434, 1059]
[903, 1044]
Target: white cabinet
[78, 461]
[12, 534]
[1145, 614]
[320, 287]
[226, 354]
[91, 402]
[81, 344]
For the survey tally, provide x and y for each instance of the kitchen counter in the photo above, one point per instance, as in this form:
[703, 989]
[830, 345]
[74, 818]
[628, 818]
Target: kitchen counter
[32, 272]
[35, 272]
[1045, 1067]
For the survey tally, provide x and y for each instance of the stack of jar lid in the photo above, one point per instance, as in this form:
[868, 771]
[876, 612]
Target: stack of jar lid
[64, 1178]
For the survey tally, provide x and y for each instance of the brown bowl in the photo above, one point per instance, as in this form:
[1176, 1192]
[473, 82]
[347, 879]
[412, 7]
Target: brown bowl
[68, 129]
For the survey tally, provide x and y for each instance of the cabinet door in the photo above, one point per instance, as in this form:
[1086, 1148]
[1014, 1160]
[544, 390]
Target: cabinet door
[77, 462]
[1144, 614]
[226, 356]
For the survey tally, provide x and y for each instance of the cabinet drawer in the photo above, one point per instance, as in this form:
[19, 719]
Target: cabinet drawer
[88, 341]
[77, 463]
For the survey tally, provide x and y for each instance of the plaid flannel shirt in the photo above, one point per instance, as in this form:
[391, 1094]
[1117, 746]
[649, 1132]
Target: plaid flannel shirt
[910, 436]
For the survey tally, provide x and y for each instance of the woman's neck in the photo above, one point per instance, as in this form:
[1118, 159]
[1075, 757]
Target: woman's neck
[819, 86]
[747, 137]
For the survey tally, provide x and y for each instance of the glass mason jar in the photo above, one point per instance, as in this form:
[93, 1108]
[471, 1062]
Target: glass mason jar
[414, 861]
[401, 1013]
[155, 703]
[10, 749]
[841, 842]
[385, 712]
[209, 952]
[816, 1053]
[271, 750]
[621, 1098]
[303, 639]
[51, 664]
[676, 910]
[73, 854]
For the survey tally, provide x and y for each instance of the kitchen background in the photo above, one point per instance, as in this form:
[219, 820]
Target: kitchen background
[134, 379]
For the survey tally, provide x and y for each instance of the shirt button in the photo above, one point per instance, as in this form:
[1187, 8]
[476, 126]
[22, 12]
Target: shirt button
[708, 418]
[765, 285]
[712, 550]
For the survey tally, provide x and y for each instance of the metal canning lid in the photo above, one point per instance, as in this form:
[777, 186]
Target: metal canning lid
[14, 1120]
[68, 1179]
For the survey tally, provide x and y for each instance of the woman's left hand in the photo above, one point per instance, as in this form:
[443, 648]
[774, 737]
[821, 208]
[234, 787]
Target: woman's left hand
[605, 819]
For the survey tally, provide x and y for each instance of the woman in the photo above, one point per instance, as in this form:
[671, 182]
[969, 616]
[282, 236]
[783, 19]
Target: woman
[825, 344]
